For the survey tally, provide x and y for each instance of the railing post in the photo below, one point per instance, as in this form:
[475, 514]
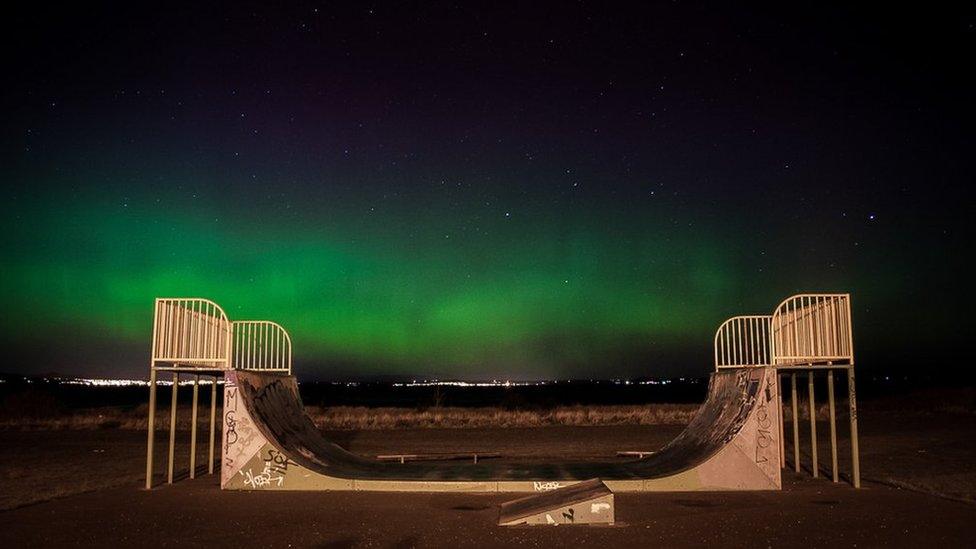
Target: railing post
[833, 425]
[852, 403]
[213, 422]
[193, 427]
[172, 428]
[813, 425]
[782, 415]
[151, 437]
[796, 424]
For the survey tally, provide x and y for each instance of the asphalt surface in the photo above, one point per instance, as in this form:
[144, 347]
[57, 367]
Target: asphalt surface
[807, 513]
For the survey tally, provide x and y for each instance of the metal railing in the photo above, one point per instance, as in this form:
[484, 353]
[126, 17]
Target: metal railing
[261, 345]
[743, 341]
[812, 329]
[190, 332]
[190, 336]
[193, 336]
[812, 332]
[806, 333]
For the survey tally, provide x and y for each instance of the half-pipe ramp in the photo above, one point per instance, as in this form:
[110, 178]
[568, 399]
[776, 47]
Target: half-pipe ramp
[269, 442]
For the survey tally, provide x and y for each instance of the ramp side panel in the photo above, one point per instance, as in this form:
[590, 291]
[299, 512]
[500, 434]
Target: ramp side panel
[271, 469]
[759, 443]
[241, 438]
[750, 461]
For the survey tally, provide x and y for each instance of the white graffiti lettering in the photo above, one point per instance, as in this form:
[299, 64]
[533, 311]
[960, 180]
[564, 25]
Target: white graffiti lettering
[264, 479]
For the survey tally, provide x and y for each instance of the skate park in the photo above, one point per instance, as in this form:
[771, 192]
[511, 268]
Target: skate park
[262, 461]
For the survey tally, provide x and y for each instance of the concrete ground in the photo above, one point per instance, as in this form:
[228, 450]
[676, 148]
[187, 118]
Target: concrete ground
[807, 513]
[84, 488]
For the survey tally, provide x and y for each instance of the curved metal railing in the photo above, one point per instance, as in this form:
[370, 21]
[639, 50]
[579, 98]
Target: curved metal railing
[261, 345]
[743, 341]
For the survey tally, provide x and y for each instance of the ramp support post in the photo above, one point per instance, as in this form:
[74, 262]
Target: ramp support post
[151, 428]
[193, 427]
[833, 425]
[172, 428]
[852, 403]
[782, 415]
[813, 425]
[213, 422]
[796, 424]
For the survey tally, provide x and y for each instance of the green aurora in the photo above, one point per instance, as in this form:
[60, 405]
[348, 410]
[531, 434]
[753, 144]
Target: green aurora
[390, 287]
[92, 267]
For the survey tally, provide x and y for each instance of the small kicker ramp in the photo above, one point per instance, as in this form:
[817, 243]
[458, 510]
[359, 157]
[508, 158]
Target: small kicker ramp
[587, 502]
[269, 442]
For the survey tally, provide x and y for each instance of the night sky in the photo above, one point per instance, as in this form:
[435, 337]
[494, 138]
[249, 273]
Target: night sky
[479, 191]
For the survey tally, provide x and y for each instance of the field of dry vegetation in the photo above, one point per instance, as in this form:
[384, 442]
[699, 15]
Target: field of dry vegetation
[355, 418]
[41, 412]
[358, 418]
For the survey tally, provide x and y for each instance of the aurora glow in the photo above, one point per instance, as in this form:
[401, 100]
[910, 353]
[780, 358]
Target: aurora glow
[397, 226]
[91, 266]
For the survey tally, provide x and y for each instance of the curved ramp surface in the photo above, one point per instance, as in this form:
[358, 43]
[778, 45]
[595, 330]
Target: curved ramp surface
[269, 442]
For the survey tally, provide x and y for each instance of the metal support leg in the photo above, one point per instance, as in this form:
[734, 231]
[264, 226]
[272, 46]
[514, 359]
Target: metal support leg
[796, 424]
[151, 437]
[213, 422]
[852, 402]
[833, 425]
[172, 428]
[193, 427]
[782, 413]
[813, 425]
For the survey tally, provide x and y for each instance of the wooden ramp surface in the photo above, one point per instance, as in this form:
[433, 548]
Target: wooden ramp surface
[587, 502]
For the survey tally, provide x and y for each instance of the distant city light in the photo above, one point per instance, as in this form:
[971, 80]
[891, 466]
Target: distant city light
[93, 382]
[470, 383]
[123, 382]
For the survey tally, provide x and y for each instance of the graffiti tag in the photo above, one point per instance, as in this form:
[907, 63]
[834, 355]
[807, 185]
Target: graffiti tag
[545, 486]
[265, 478]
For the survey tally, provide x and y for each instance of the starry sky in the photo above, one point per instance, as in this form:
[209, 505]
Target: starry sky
[477, 190]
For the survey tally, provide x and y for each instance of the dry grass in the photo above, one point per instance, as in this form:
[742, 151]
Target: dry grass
[35, 415]
[95, 418]
[358, 418]
[822, 410]
[350, 418]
